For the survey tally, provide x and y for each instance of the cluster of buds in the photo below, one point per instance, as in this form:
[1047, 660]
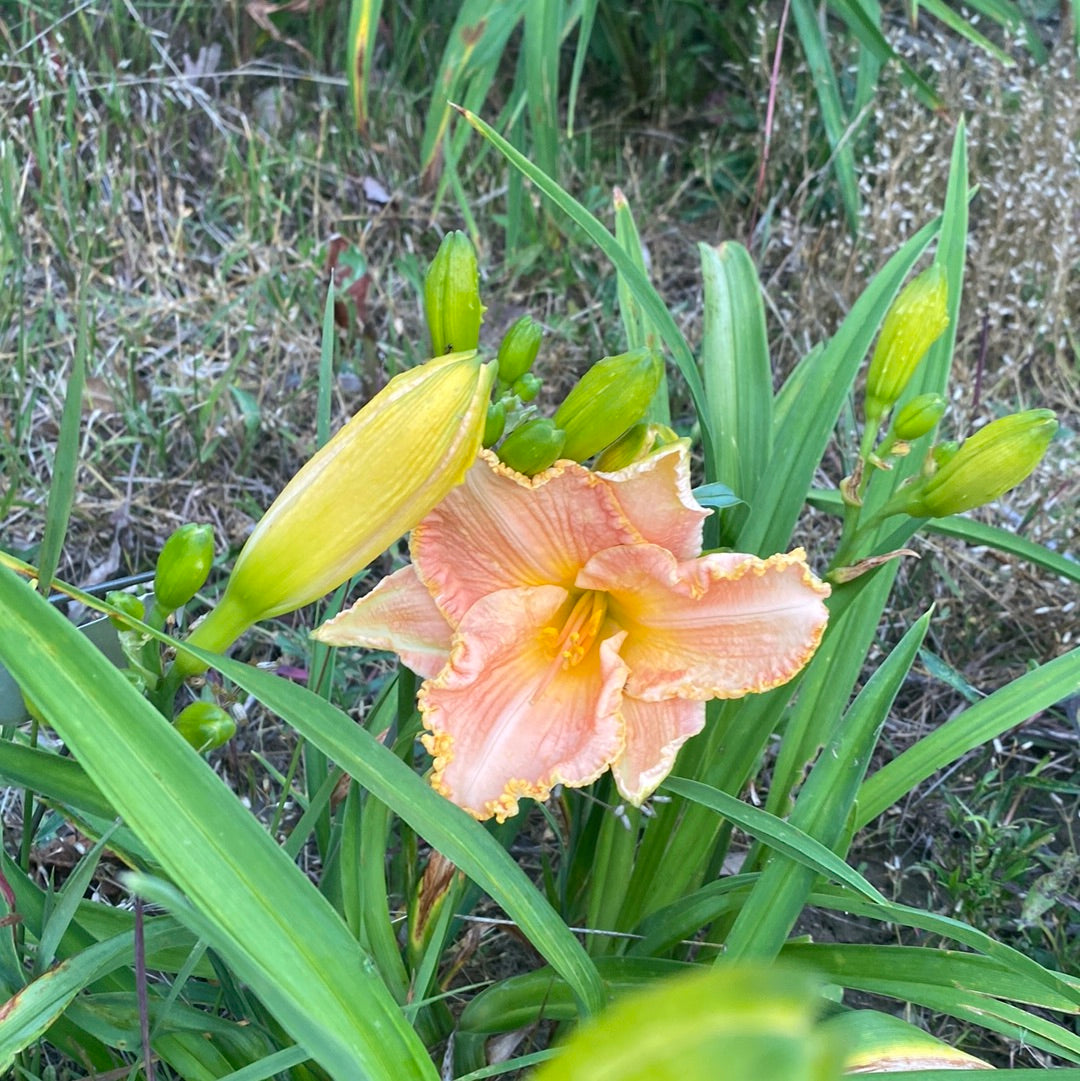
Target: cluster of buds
[953, 477]
[353, 498]
[610, 398]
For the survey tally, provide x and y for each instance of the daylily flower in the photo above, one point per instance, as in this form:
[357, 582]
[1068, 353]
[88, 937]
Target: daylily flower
[567, 622]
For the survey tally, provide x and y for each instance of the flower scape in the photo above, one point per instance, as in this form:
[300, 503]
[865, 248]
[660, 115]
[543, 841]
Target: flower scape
[568, 622]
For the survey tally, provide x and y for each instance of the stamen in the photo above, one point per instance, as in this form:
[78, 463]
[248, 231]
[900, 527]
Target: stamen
[571, 645]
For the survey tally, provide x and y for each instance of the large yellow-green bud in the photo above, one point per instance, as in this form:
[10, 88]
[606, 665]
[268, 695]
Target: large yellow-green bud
[452, 297]
[919, 416]
[610, 397]
[383, 472]
[518, 349]
[993, 460]
[532, 447]
[183, 565]
[912, 324]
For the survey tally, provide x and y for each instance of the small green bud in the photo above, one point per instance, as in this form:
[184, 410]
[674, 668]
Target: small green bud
[912, 324]
[452, 297]
[995, 459]
[495, 423]
[608, 399]
[183, 565]
[530, 449]
[633, 445]
[919, 416]
[128, 603]
[519, 348]
[527, 386]
[205, 726]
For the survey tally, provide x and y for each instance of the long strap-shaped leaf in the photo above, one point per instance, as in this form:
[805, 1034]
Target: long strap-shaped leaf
[982, 722]
[269, 922]
[444, 826]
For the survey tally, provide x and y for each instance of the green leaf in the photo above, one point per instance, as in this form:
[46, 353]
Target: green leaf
[737, 373]
[264, 914]
[980, 723]
[360, 49]
[43, 1000]
[823, 806]
[758, 1022]
[816, 48]
[449, 829]
[774, 832]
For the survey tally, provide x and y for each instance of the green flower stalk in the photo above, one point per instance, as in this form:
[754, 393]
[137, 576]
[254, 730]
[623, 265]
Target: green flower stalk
[183, 566]
[912, 324]
[452, 297]
[993, 460]
[382, 472]
[610, 397]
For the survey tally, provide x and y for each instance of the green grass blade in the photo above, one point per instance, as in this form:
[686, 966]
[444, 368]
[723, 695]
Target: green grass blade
[823, 806]
[264, 914]
[870, 37]
[588, 17]
[471, 57]
[774, 832]
[446, 827]
[541, 47]
[737, 375]
[363, 23]
[959, 25]
[27, 1016]
[66, 459]
[816, 49]
[652, 306]
[639, 331]
[980, 723]
[800, 441]
[67, 905]
[967, 529]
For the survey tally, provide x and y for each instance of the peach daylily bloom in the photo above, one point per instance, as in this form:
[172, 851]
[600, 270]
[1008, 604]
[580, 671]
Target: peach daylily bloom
[567, 623]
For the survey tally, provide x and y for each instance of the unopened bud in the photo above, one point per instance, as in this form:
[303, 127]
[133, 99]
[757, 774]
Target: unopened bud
[527, 386]
[530, 449]
[205, 726]
[495, 423]
[519, 348]
[183, 566]
[912, 324]
[638, 442]
[608, 399]
[452, 297]
[993, 460]
[919, 416]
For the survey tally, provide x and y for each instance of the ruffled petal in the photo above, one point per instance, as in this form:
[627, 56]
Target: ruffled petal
[719, 626]
[655, 495]
[506, 720]
[501, 530]
[399, 615]
[654, 733]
